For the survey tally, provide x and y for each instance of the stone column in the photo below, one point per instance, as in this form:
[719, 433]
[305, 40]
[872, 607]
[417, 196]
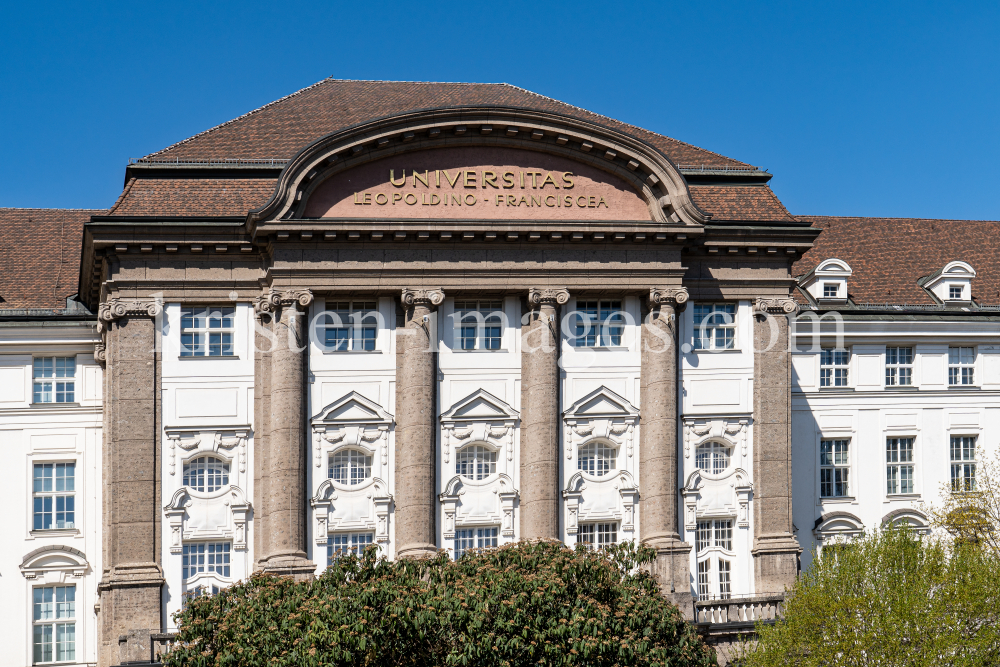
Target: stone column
[132, 580]
[540, 415]
[284, 494]
[658, 516]
[416, 424]
[775, 551]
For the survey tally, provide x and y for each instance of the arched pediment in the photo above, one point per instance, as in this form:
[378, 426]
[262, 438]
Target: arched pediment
[54, 558]
[636, 180]
[456, 484]
[352, 408]
[480, 405]
[915, 519]
[838, 523]
[602, 403]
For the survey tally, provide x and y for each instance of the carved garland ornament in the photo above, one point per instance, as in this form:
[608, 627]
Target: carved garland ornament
[275, 299]
[776, 306]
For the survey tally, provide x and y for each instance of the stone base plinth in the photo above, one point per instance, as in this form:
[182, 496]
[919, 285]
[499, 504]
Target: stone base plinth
[417, 550]
[129, 599]
[672, 569]
[775, 563]
[296, 566]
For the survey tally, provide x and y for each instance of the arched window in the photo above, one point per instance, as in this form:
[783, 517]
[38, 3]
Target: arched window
[206, 473]
[597, 458]
[712, 457]
[350, 466]
[475, 462]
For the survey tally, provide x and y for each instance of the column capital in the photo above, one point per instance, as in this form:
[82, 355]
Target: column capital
[422, 297]
[550, 296]
[782, 305]
[668, 296]
[116, 308]
[274, 299]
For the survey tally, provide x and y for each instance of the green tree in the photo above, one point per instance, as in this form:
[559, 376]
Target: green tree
[523, 604]
[891, 598]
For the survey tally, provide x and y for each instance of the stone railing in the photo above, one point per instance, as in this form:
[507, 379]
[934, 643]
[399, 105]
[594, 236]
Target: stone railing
[738, 609]
[144, 647]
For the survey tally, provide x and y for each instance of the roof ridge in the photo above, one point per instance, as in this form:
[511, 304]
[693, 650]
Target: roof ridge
[233, 120]
[621, 122]
[804, 216]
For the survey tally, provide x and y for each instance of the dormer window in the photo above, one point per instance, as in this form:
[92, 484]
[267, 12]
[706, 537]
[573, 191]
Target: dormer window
[952, 284]
[830, 290]
[828, 281]
[955, 292]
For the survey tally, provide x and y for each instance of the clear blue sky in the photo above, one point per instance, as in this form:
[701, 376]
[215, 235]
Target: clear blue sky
[858, 108]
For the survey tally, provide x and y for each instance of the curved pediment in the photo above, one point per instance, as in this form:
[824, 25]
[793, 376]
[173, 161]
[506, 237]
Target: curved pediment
[491, 163]
[54, 558]
[353, 408]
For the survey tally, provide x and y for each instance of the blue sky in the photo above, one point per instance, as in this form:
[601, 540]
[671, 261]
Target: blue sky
[876, 109]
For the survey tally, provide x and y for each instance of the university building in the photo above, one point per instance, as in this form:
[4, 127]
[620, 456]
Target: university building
[429, 316]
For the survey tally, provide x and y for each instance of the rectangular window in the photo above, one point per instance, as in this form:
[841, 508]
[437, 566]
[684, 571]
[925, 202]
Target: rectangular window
[961, 366]
[465, 539]
[598, 324]
[714, 326]
[54, 624]
[955, 291]
[704, 578]
[704, 536]
[898, 366]
[54, 379]
[208, 332]
[479, 324]
[597, 535]
[714, 533]
[351, 326]
[347, 543]
[206, 557]
[833, 365]
[831, 290]
[725, 579]
[899, 465]
[834, 464]
[53, 496]
[963, 463]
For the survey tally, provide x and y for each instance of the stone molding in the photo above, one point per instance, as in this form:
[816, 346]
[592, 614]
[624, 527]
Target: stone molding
[67, 560]
[668, 296]
[547, 296]
[101, 352]
[115, 308]
[274, 299]
[429, 298]
[176, 512]
[776, 305]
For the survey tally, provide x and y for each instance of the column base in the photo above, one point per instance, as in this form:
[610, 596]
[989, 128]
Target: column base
[129, 601]
[775, 562]
[296, 566]
[417, 550]
[672, 569]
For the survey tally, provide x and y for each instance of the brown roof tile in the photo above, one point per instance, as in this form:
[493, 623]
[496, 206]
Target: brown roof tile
[187, 196]
[282, 128]
[40, 256]
[740, 202]
[889, 255]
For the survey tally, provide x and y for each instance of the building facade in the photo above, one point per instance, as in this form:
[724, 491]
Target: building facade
[454, 316]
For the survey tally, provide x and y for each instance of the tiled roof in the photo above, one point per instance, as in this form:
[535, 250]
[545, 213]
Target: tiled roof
[889, 255]
[40, 256]
[281, 129]
[740, 202]
[194, 197]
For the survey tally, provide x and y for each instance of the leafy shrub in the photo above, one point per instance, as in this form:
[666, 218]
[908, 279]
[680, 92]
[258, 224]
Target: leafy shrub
[522, 604]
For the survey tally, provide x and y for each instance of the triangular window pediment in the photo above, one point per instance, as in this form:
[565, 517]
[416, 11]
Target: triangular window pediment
[480, 405]
[602, 402]
[353, 409]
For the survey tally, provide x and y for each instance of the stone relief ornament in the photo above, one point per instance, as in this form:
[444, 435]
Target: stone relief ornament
[116, 308]
[668, 296]
[207, 440]
[372, 514]
[479, 417]
[548, 296]
[601, 414]
[734, 430]
[422, 297]
[776, 305]
[706, 497]
[351, 421]
[274, 299]
[192, 517]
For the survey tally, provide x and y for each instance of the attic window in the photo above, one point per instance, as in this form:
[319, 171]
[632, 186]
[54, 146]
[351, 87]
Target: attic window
[831, 290]
[955, 292]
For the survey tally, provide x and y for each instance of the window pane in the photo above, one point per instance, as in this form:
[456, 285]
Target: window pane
[350, 466]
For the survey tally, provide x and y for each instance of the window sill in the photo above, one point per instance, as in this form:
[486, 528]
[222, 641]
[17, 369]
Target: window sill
[728, 350]
[55, 532]
[836, 388]
[352, 351]
[964, 387]
[458, 350]
[602, 348]
[838, 499]
[902, 387]
[55, 405]
[901, 496]
[207, 358]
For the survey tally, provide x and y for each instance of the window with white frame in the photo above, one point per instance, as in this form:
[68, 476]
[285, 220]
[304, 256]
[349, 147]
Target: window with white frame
[483, 537]
[714, 571]
[898, 366]
[210, 557]
[833, 366]
[53, 624]
[208, 331]
[831, 290]
[340, 544]
[350, 467]
[704, 579]
[475, 462]
[597, 535]
[712, 457]
[961, 366]
[53, 496]
[480, 324]
[963, 463]
[714, 326]
[714, 533]
[597, 458]
[956, 292]
[598, 324]
[834, 468]
[351, 326]
[206, 474]
[54, 379]
[899, 465]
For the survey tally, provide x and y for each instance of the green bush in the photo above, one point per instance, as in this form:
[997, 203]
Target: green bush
[522, 604]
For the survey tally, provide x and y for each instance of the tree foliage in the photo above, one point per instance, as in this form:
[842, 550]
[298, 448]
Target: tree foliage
[972, 515]
[891, 598]
[523, 604]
